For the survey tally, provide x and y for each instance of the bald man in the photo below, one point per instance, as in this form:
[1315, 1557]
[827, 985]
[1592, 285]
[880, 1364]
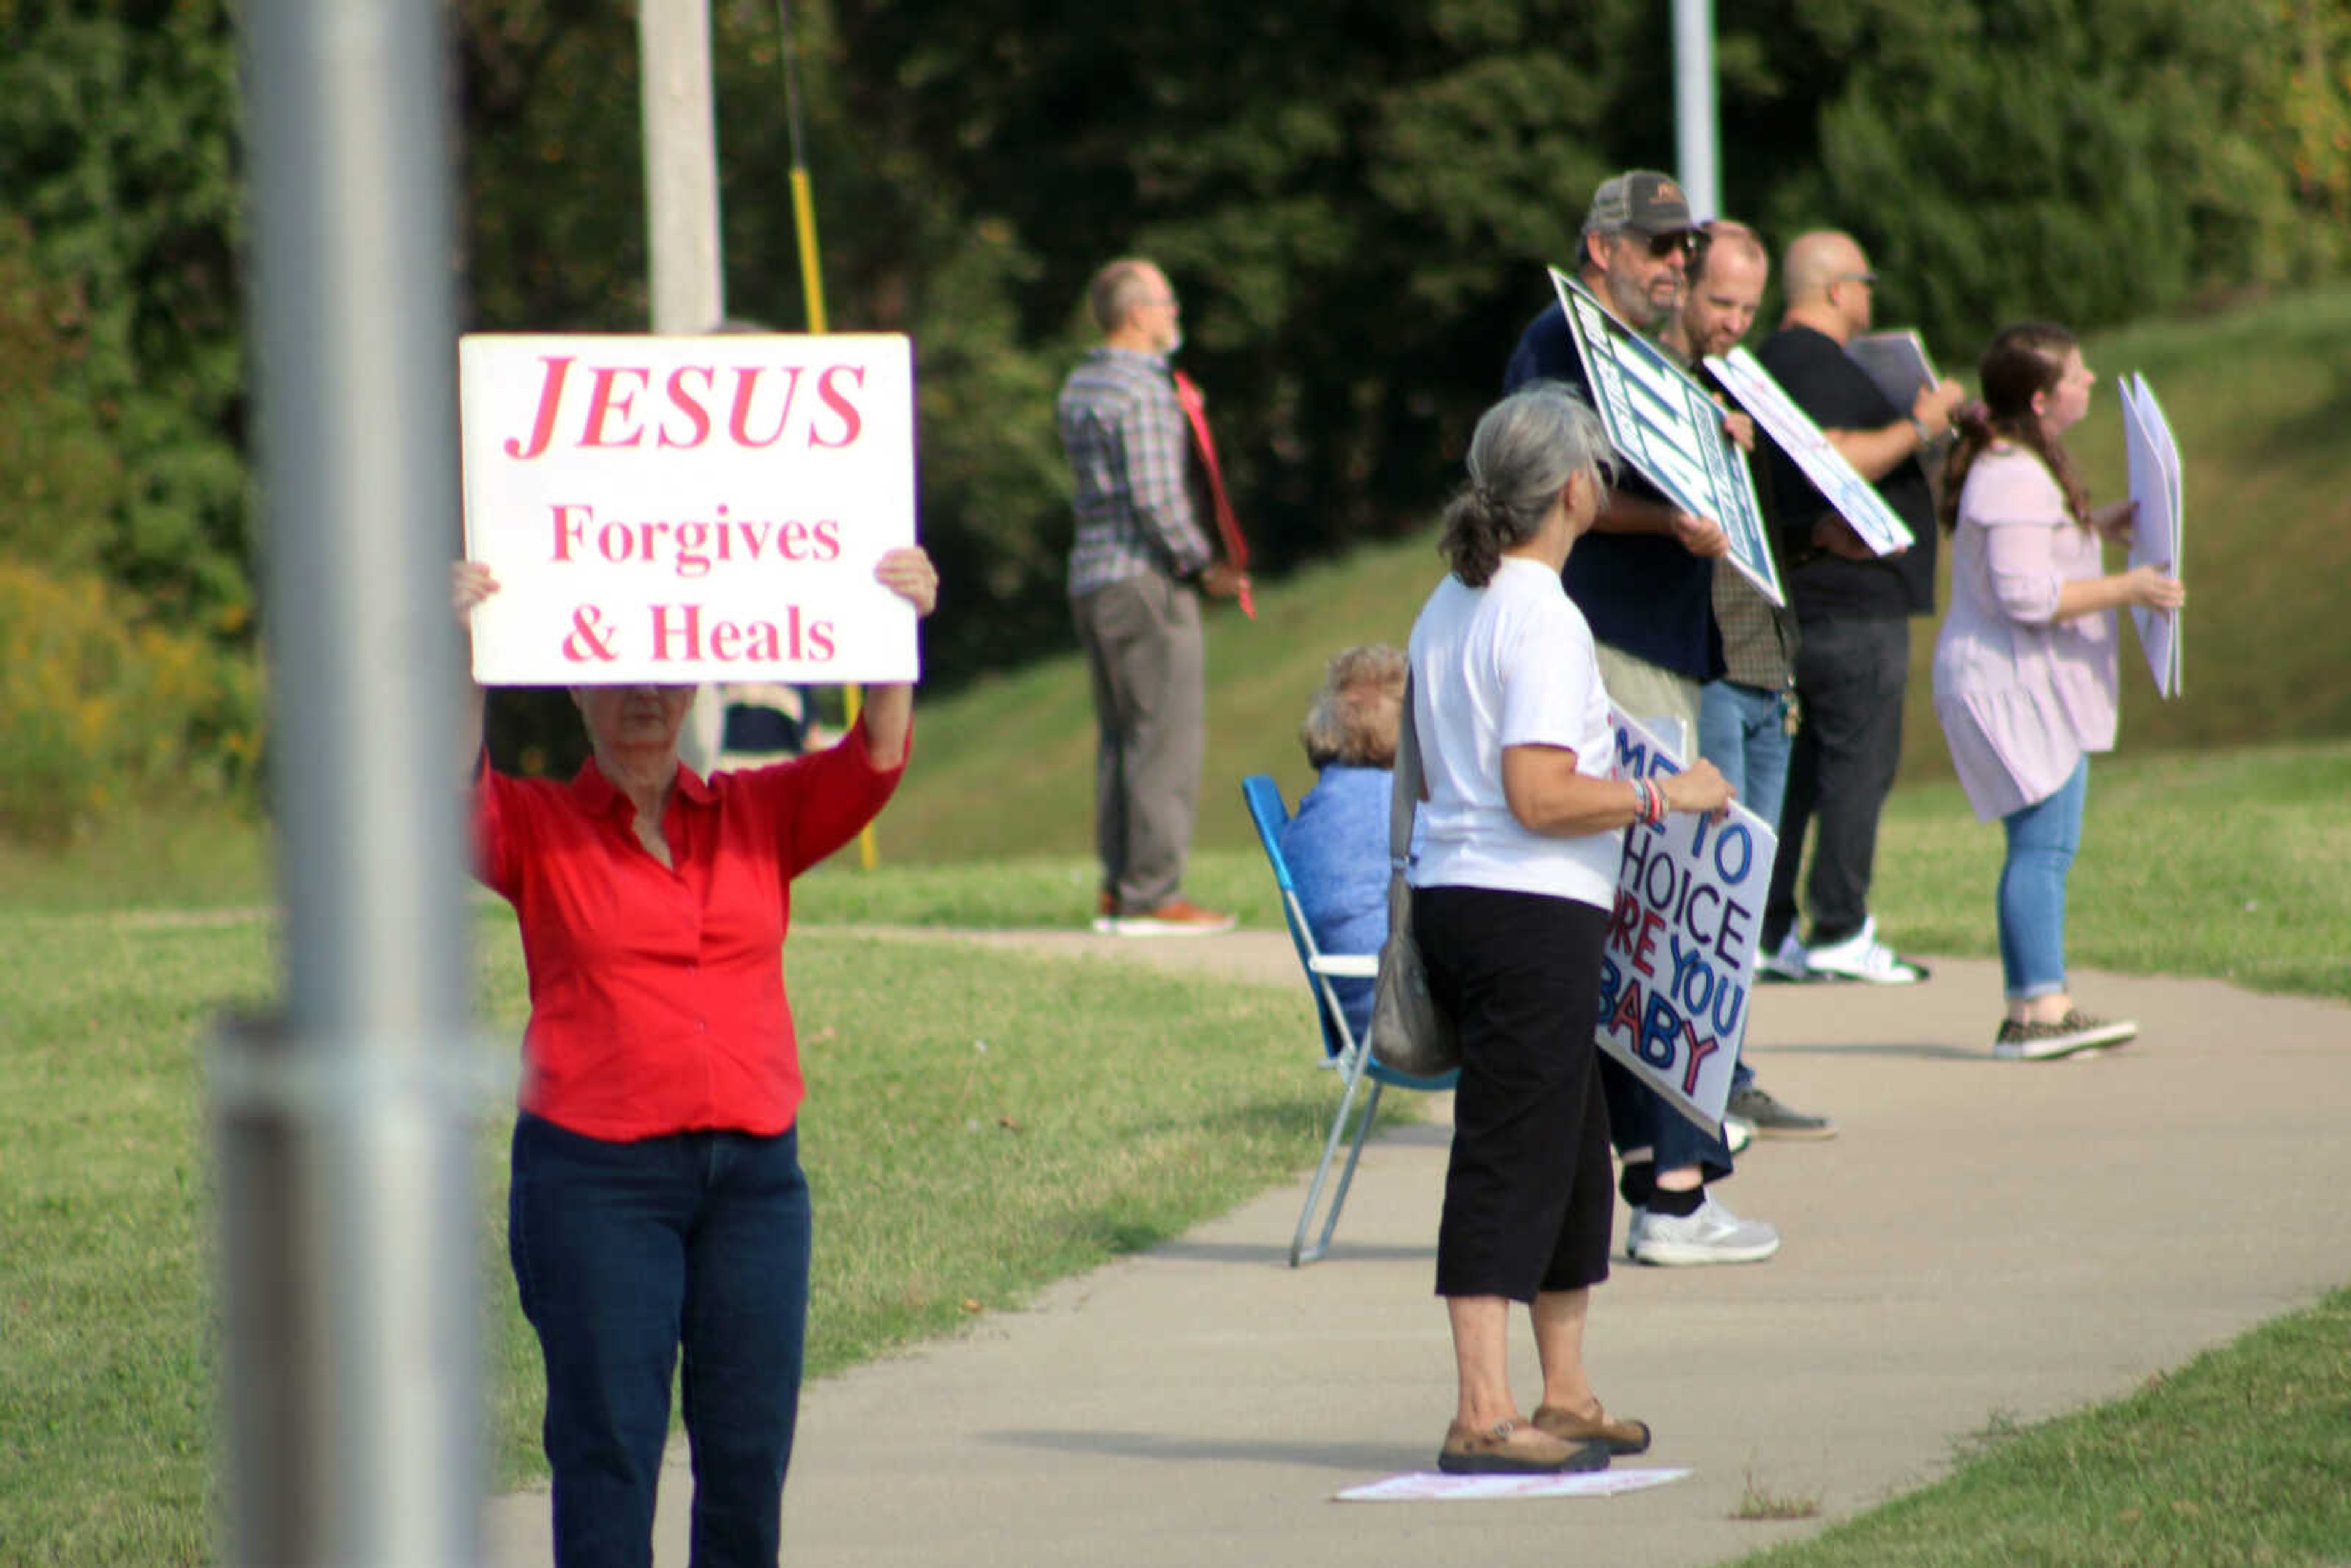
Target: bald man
[1853, 611]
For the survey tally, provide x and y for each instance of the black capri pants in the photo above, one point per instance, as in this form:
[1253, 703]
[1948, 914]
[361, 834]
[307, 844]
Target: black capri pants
[1528, 1197]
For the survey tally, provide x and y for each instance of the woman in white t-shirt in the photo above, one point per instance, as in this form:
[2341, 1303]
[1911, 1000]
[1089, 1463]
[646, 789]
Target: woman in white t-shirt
[1523, 832]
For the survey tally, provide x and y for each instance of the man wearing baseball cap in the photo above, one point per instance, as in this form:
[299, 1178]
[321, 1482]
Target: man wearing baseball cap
[1644, 577]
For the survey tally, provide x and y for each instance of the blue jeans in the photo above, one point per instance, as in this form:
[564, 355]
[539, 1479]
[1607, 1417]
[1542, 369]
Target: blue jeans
[2042, 841]
[1743, 731]
[625, 1253]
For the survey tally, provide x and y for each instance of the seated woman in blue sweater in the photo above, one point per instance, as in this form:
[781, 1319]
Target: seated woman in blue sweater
[1336, 844]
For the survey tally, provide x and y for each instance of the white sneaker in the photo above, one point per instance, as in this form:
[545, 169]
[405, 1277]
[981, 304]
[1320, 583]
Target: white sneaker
[1712, 1235]
[1633, 1226]
[1785, 964]
[1862, 956]
[1737, 1133]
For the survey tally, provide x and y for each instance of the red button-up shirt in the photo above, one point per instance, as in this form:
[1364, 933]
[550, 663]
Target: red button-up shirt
[657, 992]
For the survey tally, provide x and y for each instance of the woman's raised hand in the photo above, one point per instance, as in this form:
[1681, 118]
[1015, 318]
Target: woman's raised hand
[2151, 588]
[470, 582]
[1700, 787]
[908, 573]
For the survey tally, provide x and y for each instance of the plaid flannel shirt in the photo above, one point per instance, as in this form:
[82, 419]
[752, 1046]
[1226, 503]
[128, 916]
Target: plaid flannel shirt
[1129, 449]
[1758, 641]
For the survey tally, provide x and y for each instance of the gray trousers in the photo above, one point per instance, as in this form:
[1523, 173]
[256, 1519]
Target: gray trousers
[1149, 669]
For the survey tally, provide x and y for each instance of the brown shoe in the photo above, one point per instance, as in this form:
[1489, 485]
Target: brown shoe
[1177, 917]
[1616, 1437]
[1493, 1452]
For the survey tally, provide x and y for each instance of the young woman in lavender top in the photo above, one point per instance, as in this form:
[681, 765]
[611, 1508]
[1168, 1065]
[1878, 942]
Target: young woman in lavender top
[2025, 670]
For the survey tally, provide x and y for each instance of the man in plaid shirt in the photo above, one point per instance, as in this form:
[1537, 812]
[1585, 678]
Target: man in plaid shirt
[1747, 714]
[1137, 569]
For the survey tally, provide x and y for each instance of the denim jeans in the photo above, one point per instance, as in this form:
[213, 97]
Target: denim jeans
[625, 1253]
[1639, 1118]
[2041, 841]
[1743, 731]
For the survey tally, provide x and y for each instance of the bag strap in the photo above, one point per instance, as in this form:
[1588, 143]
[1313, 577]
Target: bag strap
[1404, 792]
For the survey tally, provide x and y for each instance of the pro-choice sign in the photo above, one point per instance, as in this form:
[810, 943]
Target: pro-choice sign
[1667, 425]
[1679, 960]
[688, 510]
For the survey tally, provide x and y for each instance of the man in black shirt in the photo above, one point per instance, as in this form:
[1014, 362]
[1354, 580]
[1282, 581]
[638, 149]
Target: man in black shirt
[1852, 608]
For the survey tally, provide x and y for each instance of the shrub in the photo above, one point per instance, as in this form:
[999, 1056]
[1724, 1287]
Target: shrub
[100, 708]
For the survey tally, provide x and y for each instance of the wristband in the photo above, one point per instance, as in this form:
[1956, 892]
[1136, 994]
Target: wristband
[1924, 435]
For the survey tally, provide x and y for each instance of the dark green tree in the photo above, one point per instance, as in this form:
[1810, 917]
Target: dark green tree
[116, 156]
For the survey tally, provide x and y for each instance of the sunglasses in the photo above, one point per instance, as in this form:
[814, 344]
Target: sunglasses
[1681, 241]
[1866, 280]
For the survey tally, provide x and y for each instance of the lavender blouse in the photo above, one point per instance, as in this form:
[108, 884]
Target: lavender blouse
[2021, 694]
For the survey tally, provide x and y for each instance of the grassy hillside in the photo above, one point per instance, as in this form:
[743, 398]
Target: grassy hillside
[2261, 399]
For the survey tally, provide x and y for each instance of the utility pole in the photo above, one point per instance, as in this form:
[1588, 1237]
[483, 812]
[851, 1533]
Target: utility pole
[340, 1125]
[1696, 122]
[689, 288]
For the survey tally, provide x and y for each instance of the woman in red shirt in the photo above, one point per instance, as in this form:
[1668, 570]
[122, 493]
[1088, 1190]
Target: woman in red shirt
[657, 1202]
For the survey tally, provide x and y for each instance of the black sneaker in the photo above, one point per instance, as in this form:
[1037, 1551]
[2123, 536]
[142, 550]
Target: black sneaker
[1755, 1103]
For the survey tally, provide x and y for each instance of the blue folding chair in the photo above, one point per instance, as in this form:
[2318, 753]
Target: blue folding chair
[1341, 1050]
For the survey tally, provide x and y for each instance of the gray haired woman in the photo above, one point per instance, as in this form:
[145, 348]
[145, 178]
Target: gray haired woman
[1522, 833]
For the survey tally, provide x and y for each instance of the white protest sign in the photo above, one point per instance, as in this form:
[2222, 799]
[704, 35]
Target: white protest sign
[2153, 459]
[1670, 428]
[1897, 362]
[1681, 955]
[1881, 528]
[688, 510]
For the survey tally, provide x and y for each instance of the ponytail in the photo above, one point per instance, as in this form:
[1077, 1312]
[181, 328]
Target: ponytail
[1526, 448]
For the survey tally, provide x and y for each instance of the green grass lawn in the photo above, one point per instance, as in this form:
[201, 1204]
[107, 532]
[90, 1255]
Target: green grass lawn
[2239, 1458]
[978, 1124]
[2234, 864]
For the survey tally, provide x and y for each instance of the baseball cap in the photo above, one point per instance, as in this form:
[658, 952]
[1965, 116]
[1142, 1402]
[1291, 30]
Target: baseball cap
[1640, 200]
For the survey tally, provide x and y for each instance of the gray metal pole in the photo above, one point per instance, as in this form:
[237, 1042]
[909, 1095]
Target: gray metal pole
[1697, 131]
[688, 283]
[347, 1216]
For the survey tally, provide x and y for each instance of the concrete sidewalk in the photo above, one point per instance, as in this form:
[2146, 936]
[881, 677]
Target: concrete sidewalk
[1985, 1239]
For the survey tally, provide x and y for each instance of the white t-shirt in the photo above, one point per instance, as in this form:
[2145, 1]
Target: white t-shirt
[1507, 664]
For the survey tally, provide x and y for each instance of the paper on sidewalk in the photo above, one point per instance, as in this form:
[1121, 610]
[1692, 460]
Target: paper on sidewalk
[1431, 1486]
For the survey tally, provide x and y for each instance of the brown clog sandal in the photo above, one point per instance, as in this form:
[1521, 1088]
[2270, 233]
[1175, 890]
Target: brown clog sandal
[1618, 1436]
[1469, 1451]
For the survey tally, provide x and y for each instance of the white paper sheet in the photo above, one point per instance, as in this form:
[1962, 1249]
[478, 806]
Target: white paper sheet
[1431, 1486]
